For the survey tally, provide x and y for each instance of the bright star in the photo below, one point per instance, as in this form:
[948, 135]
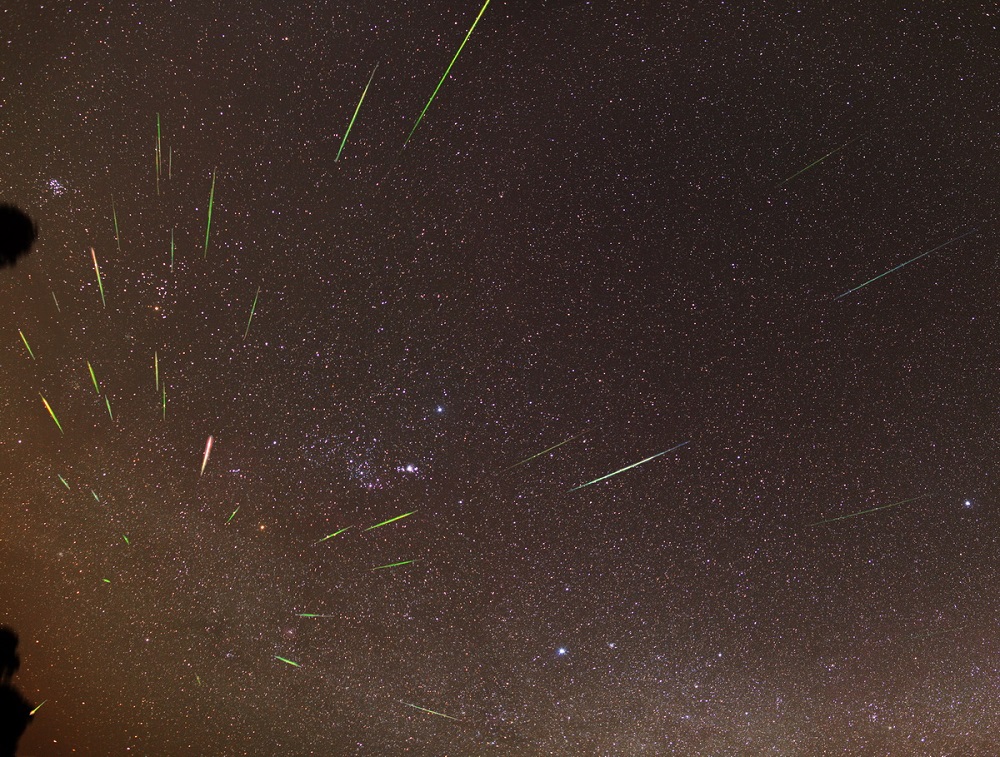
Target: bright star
[561, 651]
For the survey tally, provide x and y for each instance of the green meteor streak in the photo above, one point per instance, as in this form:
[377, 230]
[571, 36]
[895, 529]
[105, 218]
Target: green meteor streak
[253, 308]
[394, 564]
[391, 520]
[108, 403]
[335, 533]
[816, 162]
[314, 615]
[97, 270]
[870, 510]
[290, 662]
[114, 215]
[156, 368]
[126, 539]
[211, 202]
[106, 580]
[446, 72]
[93, 377]
[922, 254]
[38, 707]
[25, 340]
[539, 454]
[233, 515]
[432, 712]
[49, 408]
[64, 482]
[630, 467]
[98, 499]
[351, 124]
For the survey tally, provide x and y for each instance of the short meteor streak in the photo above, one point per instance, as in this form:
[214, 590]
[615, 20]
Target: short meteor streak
[431, 712]
[38, 707]
[446, 72]
[49, 408]
[97, 270]
[394, 564]
[64, 482]
[233, 515]
[211, 202]
[25, 340]
[630, 467]
[58, 309]
[164, 388]
[391, 520]
[253, 308]
[351, 124]
[539, 454]
[171, 250]
[870, 510]
[93, 377]
[289, 662]
[96, 498]
[330, 536]
[817, 162]
[922, 254]
[114, 215]
[208, 451]
[108, 403]
[126, 540]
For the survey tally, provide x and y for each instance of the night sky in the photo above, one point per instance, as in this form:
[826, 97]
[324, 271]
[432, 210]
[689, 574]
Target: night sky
[599, 238]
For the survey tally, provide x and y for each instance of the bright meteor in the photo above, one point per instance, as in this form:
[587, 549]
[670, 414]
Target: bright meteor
[208, 225]
[630, 467]
[208, 451]
[253, 308]
[391, 520]
[446, 72]
[870, 510]
[432, 712]
[539, 454]
[922, 254]
[335, 533]
[97, 270]
[49, 408]
[351, 124]
[290, 662]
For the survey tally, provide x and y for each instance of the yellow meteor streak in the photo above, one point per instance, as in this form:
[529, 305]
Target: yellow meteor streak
[49, 408]
[208, 451]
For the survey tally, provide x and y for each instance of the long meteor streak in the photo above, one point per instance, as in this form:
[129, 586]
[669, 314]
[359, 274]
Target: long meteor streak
[290, 662]
[391, 520]
[539, 454]
[432, 712]
[97, 270]
[314, 615]
[870, 510]
[817, 162]
[108, 403]
[253, 308]
[208, 451]
[25, 340]
[394, 564]
[211, 202]
[171, 250]
[93, 377]
[156, 368]
[446, 72]
[330, 536]
[351, 124]
[38, 707]
[630, 467]
[922, 254]
[114, 215]
[49, 408]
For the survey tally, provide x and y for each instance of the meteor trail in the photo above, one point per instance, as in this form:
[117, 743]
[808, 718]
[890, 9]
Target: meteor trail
[290, 662]
[432, 712]
[870, 510]
[58, 309]
[446, 72]
[114, 215]
[96, 498]
[63, 481]
[252, 309]
[391, 520]
[93, 377]
[816, 162]
[351, 124]
[314, 615]
[97, 270]
[49, 408]
[233, 515]
[330, 536]
[394, 564]
[164, 388]
[25, 340]
[171, 250]
[108, 403]
[539, 454]
[126, 539]
[156, 368]
[922, 254]
[629, 467]
[208, 226]
[208, 451]
[38, 707]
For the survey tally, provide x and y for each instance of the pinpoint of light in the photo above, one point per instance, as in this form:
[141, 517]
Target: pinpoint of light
[335, 533]
[905, 263]
[629, 467]
[562, 651]
[52, 413]
[351, 124]
[38, 707]
[446, 72]
[967, 504]
[208, 451]
[391, 520]
[286, 660]
[208, 225]
[28, 346]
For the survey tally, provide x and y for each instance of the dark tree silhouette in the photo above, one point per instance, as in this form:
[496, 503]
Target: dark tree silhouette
[17, 234]
[15, 712]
